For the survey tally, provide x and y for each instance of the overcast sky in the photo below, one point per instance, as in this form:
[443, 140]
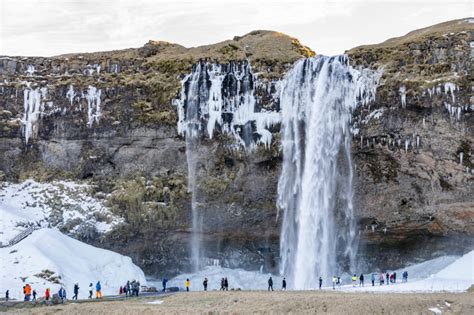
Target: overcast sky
[52, 27]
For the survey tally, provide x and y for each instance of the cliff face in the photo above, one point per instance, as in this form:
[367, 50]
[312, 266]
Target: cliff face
[108, 119]
[413, 151]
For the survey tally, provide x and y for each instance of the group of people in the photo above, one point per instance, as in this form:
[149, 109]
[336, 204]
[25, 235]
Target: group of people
[336, 281]
[133, 288]
[30, 293]
[224, 284]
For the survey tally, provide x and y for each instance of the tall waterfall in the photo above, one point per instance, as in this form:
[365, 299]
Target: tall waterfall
[218, 97]
[315, 187]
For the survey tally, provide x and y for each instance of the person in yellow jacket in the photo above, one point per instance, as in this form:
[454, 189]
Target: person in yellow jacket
[354, 280]
[187, 284]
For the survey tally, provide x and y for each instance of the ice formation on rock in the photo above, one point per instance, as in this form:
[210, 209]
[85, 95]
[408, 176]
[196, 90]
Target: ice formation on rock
[403, 95]
[33, 103]
[216, 96]
[93, 105]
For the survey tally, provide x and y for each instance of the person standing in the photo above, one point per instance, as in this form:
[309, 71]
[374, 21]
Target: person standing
[226, 284]
[164, 284]
[361, 280]
[46, 294]
[320, 282]
[283, 284]
[91, 289]
[7, 295]
[34, 295]
[354, 279]
[372, 278]
[60, 294]
[334, 281]
[395, 277]
[98, 290]
[204, 284]
[270, 284]
[339, 282]
[76, 291]
[187, 284]
[222, 284]
[387, 276]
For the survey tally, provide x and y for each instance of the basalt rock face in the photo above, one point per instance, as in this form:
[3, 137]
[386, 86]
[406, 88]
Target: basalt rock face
[109, 119]
[412, 153]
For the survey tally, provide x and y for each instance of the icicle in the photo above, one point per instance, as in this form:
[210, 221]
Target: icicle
[424, 123]
[461, 156]
[407, 142]
[417, 142]
[93, 105]
[30, 69]
[403, 96]
[70, 94]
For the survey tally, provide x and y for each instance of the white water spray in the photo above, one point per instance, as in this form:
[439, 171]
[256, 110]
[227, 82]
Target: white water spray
[315, 186]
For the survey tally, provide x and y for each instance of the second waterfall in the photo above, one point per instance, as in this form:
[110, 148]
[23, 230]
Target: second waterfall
[318, 236]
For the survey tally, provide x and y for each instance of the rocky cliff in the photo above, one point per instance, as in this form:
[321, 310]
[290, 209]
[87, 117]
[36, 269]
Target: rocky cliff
[109, 119]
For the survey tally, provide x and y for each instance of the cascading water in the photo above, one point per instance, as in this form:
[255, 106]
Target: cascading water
[315, 187]
[218, 96]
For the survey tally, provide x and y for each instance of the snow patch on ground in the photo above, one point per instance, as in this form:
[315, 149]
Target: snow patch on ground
[60, 204]
[155, 302]
[71, 261]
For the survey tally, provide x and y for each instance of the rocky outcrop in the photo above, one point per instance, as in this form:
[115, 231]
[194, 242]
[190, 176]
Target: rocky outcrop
[108, 118]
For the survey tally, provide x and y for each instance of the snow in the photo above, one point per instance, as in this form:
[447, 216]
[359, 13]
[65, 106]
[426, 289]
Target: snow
[155, 302]
[237, 278]
[72, 260]
[435, 310]
[33, 203]
[446, 273]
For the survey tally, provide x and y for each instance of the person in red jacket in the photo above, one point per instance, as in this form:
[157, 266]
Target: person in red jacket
[46, 294]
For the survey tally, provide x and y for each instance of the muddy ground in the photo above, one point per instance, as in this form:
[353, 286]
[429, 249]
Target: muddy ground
[261, 302]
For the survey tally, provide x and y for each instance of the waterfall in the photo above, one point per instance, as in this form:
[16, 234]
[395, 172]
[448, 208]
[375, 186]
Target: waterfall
[217, 97]
[318, 235]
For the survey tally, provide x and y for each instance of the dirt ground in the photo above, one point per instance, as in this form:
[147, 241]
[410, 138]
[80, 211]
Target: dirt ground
[260, 302]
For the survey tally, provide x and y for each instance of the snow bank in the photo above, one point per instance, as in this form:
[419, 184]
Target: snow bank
[446, 273]
[49, 251]
[31, 202]
[237, 278]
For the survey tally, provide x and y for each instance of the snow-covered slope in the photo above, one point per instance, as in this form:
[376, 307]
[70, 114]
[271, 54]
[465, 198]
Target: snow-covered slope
[441, 274]
[49, 251]
[59, 204]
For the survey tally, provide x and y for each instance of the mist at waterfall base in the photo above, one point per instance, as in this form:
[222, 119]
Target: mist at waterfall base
[315, 187]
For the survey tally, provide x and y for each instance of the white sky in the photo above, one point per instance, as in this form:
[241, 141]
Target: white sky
[52, 27]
